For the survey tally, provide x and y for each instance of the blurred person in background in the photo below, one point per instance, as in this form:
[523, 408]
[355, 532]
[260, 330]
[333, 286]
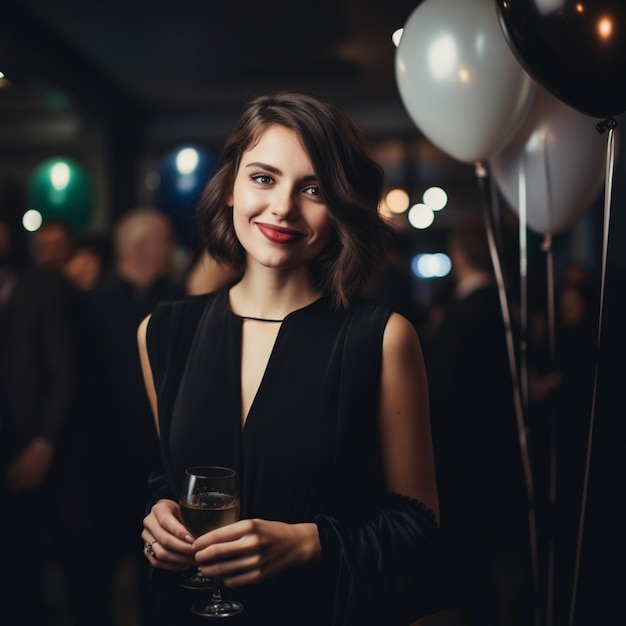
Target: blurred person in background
[484, 519]
[53, 245]
[143, 245]
[46, 516]
[207, 275]
[89, 262]
[576, 357]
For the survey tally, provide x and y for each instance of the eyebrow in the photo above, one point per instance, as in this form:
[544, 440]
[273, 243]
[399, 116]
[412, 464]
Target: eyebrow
[275, 170]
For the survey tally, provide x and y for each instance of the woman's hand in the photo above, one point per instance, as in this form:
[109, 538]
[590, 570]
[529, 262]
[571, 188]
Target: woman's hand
[168, 544]
[253, 550]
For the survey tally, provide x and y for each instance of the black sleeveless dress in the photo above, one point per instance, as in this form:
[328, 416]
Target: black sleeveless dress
[309, 448]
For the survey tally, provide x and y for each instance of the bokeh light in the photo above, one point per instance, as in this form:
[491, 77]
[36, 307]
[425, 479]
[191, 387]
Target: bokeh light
[435, 265]
[187, 160]
[60, 175]
[397, 200]
[435, 198]
[60, 188]
[177, 187]
[420, 216]
[32, 220]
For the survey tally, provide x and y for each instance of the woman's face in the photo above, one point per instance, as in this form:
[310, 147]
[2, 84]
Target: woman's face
[279, 213]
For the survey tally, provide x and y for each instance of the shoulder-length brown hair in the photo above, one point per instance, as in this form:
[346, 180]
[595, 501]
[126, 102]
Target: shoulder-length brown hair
[350, 181]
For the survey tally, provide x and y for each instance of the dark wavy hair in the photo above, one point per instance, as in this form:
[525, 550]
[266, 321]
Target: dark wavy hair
[351, 183]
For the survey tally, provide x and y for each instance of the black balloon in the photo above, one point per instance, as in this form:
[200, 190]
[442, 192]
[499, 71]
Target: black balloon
[575, 49]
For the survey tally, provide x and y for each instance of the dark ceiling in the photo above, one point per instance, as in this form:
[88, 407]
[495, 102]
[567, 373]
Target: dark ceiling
[172, 58]
[169, 72]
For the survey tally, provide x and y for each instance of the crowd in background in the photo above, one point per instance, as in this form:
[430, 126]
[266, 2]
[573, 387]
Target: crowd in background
[78, 442]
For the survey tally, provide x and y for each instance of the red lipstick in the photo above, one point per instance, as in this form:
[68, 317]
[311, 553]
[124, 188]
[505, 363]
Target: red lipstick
[278, 234]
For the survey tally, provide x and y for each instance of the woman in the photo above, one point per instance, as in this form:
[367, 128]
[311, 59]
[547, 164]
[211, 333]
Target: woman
[316, 396]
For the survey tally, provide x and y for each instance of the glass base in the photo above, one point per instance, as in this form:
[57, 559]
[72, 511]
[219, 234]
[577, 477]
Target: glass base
[226, 608]
[191, 580]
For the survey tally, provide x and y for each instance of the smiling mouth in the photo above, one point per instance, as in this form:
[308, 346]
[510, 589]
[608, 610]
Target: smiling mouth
[276, 234]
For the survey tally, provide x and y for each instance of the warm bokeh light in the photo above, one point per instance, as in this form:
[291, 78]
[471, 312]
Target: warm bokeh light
[420, 216]
[396, 36]
[605, 27]
[579, 7]
[435, 265]
[435, 198]
[464, 75]
[397, 200]
[32, 220]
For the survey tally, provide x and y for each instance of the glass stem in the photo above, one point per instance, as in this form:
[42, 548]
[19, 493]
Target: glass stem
[216, 597]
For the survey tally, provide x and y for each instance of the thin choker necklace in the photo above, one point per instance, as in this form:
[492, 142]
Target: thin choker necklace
[261, 319]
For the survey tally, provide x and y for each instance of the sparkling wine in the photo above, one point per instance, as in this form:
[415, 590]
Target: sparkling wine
[209, 511]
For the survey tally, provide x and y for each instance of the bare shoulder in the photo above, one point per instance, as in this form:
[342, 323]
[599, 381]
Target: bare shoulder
[142, 330]
[146, 369]
[400, 337]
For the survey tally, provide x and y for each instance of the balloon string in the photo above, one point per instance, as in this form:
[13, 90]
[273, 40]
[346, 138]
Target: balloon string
[552, 449]
[608, 186]
[481, 175]
[523, 265]
[552, 467]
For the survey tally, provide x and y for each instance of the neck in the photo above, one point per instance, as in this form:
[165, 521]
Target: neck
[256, 296]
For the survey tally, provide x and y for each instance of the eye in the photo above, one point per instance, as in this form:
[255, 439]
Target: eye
[262, 179]
[313, 190]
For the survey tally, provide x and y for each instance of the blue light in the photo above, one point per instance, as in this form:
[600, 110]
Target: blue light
[435, 265]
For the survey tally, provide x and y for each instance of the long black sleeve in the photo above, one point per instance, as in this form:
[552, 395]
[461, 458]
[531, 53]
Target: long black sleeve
[387, 566]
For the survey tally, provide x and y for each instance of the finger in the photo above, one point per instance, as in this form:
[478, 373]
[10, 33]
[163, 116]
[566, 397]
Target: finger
[170, 522]
[161, 564]
[164, 555]
[245, 578]
[228, 551]
[166, 538]
[163, 551]
[225, 534]
[161, 557]
[247, 568]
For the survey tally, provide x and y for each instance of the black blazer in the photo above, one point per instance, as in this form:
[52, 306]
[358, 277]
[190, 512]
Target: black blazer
[38, 368]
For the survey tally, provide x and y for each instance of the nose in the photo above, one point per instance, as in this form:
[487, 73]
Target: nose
[285, 205]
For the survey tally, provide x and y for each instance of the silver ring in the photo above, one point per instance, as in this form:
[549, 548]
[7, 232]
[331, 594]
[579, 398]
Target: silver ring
[148, 549]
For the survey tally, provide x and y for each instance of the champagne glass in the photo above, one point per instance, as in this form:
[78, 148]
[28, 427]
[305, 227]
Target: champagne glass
[191, 579]
[209, 499]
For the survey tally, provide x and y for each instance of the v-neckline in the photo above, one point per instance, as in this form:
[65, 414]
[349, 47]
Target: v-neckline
[262, 384]
[268, 365]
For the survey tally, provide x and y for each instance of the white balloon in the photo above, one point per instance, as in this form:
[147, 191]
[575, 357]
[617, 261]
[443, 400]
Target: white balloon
[563, 160]
[459, 80]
